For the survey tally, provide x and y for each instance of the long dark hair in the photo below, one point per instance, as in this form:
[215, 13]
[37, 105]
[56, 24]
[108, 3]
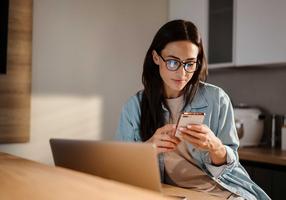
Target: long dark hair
[152, 114]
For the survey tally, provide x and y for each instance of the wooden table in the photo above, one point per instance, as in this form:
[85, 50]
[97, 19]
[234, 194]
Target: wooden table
[190, 194]
[263, 155]
[25, 179]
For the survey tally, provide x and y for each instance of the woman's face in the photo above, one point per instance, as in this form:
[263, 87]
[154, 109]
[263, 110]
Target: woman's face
[175, 81]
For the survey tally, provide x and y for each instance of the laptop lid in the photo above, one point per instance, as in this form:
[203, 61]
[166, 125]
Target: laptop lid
[132, 163]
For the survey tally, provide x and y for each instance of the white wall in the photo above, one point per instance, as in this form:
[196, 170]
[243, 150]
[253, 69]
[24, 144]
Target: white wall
[87, 61]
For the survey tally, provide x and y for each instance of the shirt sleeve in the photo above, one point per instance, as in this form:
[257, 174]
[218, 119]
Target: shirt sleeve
[226, 132]
[217, 171]
[124, 129]
[128, 126]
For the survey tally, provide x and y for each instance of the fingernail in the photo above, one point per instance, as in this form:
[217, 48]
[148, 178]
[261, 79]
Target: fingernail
[189, 126]
[182, 129]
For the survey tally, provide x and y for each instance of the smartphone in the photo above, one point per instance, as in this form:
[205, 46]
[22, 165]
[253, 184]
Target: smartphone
[187, 118]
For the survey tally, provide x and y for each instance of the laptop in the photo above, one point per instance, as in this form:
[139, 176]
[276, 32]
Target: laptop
[131, 163]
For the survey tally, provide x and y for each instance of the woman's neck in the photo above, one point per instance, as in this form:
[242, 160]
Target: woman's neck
[173, 94]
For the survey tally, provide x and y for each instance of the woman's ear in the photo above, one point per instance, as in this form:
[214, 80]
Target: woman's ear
[155, 57]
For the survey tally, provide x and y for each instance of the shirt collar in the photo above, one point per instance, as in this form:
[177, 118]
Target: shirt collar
[199, 100]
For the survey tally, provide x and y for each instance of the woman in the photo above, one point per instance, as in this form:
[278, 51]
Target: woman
[205, 158]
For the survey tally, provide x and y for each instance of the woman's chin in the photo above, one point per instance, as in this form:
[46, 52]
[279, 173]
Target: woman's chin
[179, 87]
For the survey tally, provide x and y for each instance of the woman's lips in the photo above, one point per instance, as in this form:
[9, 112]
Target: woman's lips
[179, 80]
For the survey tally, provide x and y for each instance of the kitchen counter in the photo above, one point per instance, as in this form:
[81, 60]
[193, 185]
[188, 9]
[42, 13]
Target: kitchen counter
[266, 167]
[263, 155]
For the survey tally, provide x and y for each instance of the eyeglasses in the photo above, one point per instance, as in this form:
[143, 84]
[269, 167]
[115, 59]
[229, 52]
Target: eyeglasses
[174, 64]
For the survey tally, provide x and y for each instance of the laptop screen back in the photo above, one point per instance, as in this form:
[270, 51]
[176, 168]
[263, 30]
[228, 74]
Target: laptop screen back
[132, 163]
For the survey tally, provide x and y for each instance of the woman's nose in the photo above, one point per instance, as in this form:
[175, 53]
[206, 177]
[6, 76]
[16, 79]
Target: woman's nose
[181, 71]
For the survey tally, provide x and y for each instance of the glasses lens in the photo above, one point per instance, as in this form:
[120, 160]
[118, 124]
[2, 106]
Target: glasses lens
[190, 67]
[172, 64]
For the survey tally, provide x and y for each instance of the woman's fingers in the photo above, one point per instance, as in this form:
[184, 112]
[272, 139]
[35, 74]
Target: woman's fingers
[166, 144]
[162, 149]
[164, 138]
[200, 136]
[191, 133]
[201, 128]
[169, 138]
[193, 140]
[166, 141]
[167, 129]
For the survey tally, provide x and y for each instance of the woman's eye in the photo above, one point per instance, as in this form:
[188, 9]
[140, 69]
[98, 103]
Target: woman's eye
[190, 65]
[173, 63]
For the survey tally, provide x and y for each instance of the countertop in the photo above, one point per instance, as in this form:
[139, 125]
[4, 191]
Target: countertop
[263, 155]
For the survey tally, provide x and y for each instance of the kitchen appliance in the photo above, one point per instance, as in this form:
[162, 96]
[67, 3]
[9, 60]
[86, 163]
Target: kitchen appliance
[251, 124]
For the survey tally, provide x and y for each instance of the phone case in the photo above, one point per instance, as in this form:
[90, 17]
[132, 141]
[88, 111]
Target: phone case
[187, 118]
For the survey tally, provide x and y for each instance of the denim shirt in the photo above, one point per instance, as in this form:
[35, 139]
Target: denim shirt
[213, 101]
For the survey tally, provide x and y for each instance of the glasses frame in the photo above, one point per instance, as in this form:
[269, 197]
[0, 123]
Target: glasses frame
[182, 62]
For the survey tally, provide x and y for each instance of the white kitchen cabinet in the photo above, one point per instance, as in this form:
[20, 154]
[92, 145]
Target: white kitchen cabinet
[192, 10]
[258, 30]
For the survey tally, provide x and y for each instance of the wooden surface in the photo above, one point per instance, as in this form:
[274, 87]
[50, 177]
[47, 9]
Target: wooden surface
[263, 155]
[15, 86]
[176, 191]
[25, 179]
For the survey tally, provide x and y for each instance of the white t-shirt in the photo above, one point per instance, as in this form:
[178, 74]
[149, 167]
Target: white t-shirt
[180, 167]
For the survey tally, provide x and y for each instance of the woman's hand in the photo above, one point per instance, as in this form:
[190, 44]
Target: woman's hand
[202, 137]
[164, 138]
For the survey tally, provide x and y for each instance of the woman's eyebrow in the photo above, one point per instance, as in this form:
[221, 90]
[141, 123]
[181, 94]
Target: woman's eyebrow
[175, 57]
